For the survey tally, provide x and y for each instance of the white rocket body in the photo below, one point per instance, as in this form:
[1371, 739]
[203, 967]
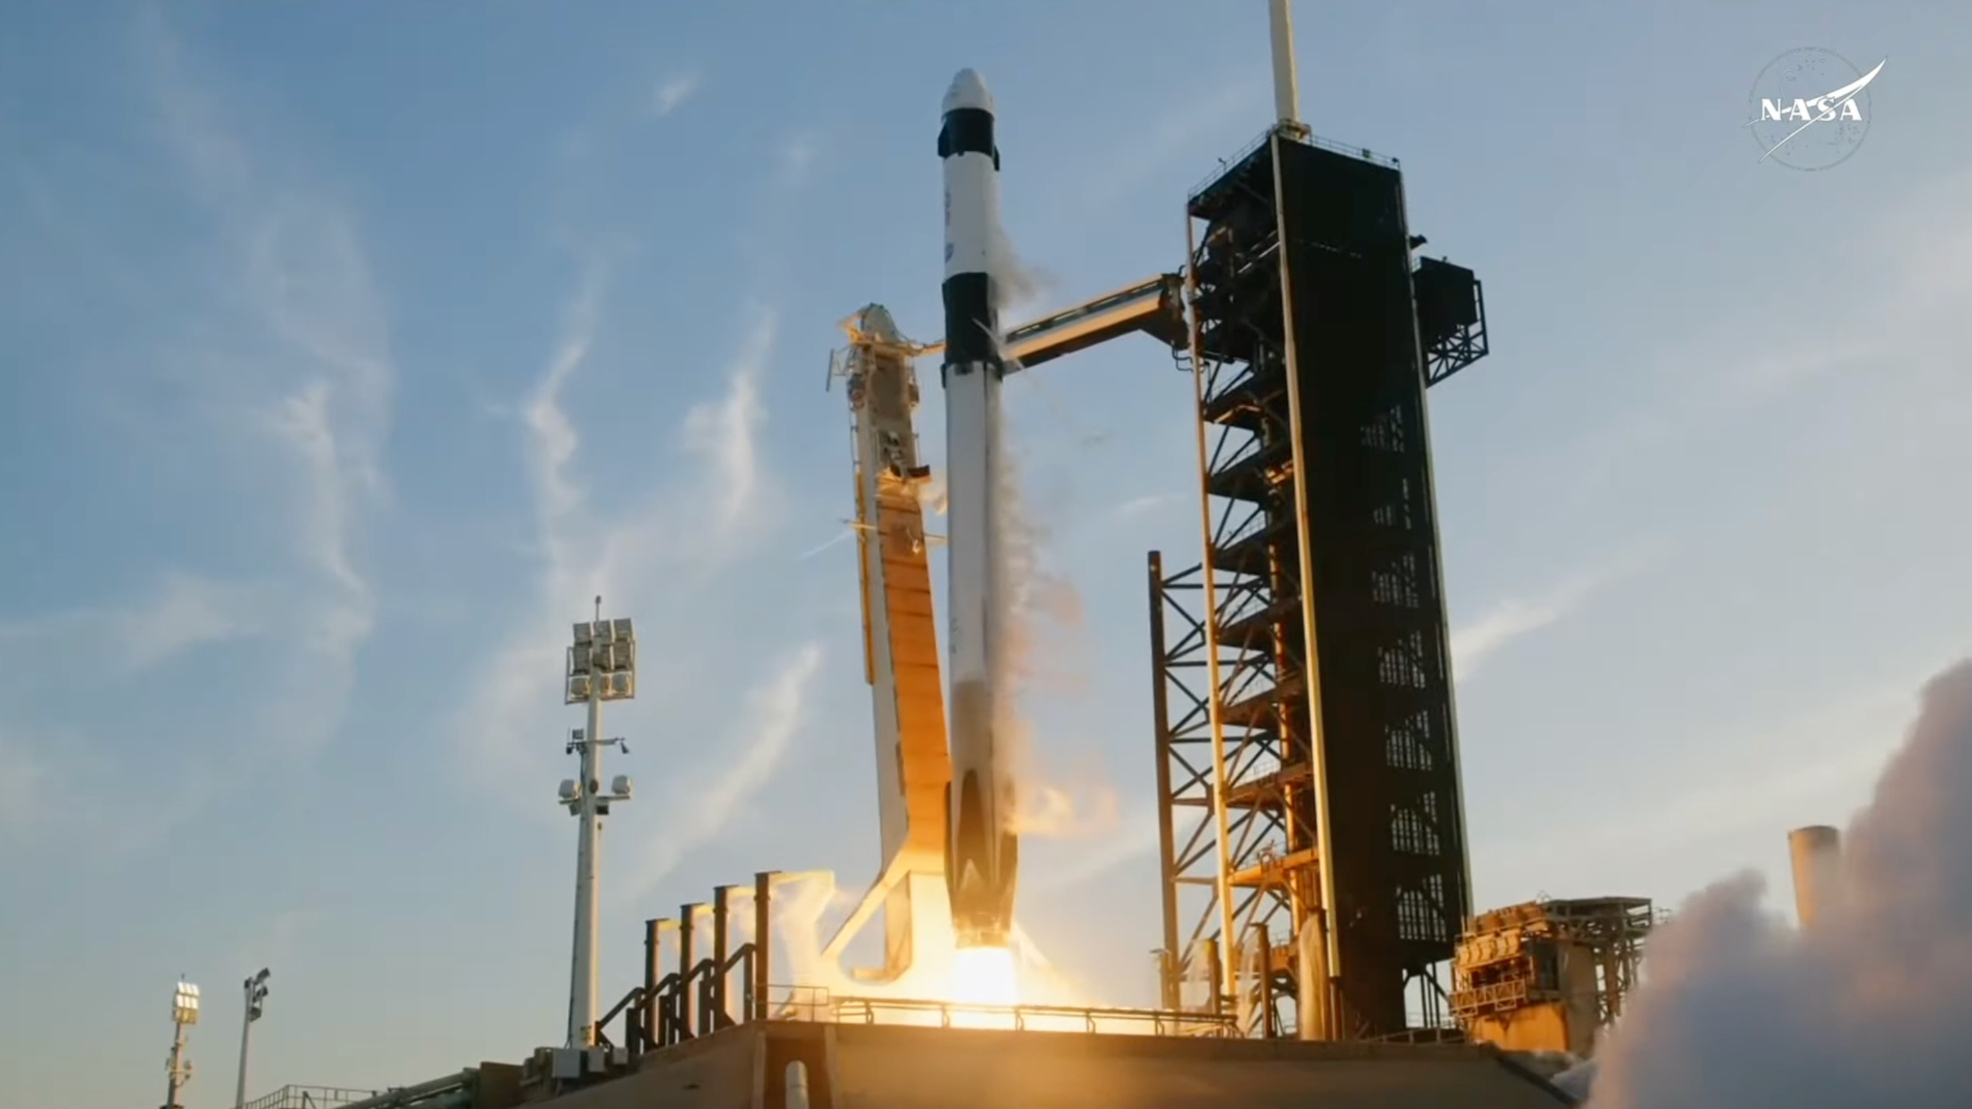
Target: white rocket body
[982, 854]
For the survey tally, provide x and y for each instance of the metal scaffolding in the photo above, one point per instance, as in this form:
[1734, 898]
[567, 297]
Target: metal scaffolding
[1307, 760]
[1548, 975]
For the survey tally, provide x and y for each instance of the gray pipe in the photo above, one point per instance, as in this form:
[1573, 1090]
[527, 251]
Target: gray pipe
[1816, 853]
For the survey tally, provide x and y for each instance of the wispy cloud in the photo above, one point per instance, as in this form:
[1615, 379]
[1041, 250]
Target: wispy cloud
[23, 785]
[1909, 278]
[1144, 505]
[847, 533]
[274, 940]
[798, 153]
[702, 806]
[1517, 617]
[665, 562]
[277, 342]
[184, 612]
[1193, 125]
[1133, 837]
[673, 92]
[686, 532]
[551, 438]
[723, 433]
[189, 612]
[656, 561]
[304, 361]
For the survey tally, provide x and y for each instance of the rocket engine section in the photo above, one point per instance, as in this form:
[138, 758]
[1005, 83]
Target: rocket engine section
[982, 853]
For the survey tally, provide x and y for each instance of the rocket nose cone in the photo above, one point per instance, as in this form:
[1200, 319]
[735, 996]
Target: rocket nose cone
[968, 91]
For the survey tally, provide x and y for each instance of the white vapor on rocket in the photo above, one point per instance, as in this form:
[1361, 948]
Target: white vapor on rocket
[982, 853]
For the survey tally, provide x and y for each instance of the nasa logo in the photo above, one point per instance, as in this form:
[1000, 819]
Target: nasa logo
[1810, 108]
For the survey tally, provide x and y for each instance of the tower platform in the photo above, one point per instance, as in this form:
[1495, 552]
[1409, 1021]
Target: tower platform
[850, 1066]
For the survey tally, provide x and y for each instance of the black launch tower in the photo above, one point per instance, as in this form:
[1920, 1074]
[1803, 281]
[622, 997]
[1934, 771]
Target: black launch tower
[1306, 657]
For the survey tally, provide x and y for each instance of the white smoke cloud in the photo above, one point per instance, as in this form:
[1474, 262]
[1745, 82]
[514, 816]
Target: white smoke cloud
[1015, 286]
[1041, 610]
[1870, 1007]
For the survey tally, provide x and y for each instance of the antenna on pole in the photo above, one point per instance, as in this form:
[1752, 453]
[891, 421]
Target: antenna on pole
[1287, 96]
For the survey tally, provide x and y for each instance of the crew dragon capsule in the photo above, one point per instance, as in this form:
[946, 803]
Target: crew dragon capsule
[981, 852]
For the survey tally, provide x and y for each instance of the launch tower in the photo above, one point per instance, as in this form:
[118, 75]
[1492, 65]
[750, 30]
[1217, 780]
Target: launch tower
[1330, 878]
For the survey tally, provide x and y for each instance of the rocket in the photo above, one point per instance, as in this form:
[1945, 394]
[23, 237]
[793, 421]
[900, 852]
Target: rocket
[981, 852]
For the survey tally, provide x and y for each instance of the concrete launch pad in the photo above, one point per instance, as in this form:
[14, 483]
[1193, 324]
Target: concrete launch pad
[850, 1066]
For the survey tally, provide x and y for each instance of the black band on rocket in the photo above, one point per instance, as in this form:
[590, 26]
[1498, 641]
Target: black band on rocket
[969, 321]
[968, 131]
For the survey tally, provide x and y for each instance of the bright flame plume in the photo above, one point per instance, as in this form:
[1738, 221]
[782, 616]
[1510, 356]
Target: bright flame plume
[983, 976]
[940, 971]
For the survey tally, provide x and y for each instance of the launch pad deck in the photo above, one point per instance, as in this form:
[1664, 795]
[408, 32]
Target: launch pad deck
[851, 1066]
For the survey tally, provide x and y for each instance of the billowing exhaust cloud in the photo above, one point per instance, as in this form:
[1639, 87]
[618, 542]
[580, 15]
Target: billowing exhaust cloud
[1871, 1006]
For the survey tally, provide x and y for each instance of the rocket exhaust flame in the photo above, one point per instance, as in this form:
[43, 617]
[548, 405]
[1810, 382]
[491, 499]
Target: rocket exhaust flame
[984, 976]
[981, 978]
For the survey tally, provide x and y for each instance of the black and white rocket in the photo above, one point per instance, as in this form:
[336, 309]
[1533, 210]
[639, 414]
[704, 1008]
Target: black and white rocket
[982, 854]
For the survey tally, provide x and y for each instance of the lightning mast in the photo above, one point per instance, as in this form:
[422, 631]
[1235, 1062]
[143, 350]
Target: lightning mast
[1287, 97]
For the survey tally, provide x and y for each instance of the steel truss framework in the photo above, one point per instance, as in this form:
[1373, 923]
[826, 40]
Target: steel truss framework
[1507, 958]
[1310, 364]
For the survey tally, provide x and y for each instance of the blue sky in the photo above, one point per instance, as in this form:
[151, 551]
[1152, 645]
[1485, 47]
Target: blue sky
[348, 354]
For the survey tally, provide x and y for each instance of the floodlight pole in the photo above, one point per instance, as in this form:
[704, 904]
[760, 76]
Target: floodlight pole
[590, 804]
[582, 1009]
[256, 992]
[239, 1089]
[177, 1069]
[184, 1014]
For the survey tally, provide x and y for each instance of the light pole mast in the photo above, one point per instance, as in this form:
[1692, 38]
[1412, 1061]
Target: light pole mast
[602, 666]
[256, 997]
[184, 1014]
